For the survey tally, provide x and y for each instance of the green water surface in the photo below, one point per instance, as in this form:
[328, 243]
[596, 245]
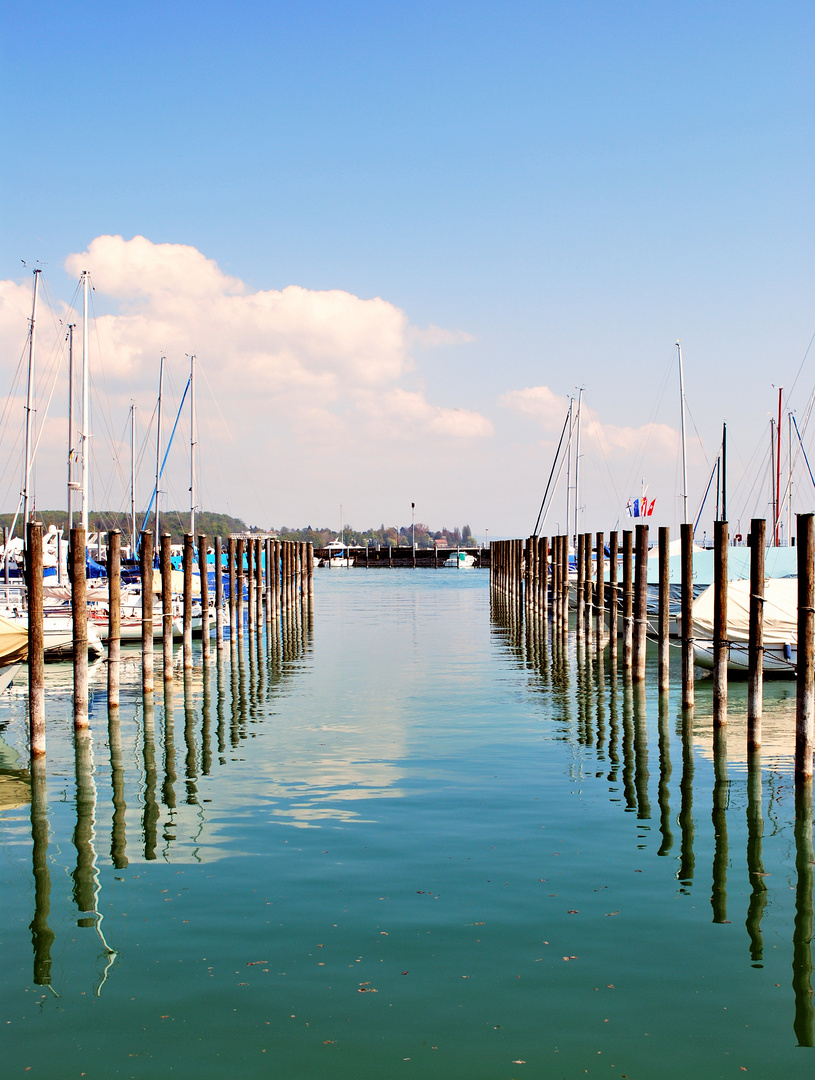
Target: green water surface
[403, 836]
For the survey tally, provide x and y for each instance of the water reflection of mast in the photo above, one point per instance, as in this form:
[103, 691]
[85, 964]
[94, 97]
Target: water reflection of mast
[755, 864]
[664, 777]
[42, 936]
[686, 858]
[802, 934]
[718, 898]
[86, 880]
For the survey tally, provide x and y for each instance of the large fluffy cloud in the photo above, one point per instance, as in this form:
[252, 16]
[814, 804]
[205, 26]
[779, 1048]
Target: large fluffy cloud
[299, 349]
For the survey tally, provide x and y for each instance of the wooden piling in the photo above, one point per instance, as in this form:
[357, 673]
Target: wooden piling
[627, 602]
[686, 538]
[187, 617]
[564, 584]
[219, 595]
[721, 646]
[258, 582]
[588, 587]
[310, 567]
[230, 559]
[250, 585]
[805, 681]
[543, 577]
[755, 647]
[640, 604]
[79, 615]
[202, 573]
[664, 612]
[114, 615]
[239, 586]
[166, 567]
[580, 596]
[146, 570]
[613, 602]
[36, 674]
[600, 589]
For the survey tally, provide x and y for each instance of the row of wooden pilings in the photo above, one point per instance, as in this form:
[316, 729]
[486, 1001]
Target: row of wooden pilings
[533, 574]
[275, 574]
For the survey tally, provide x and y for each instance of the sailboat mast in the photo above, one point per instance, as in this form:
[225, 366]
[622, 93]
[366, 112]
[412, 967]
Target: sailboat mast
[724, 472]
[684, 441]
[71, 484]
[577, 469]
[158, 447]
[29, 403]
[569, 470]
[132, 480]
[193, 444]
[778, 472]
[85, 405]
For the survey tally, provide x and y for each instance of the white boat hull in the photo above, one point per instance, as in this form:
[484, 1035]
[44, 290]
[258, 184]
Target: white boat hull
[778, 659]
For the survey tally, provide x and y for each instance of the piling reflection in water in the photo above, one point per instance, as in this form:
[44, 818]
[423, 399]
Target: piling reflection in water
[42, 936]
[721, 791]
[664, 796]
[755, 862]
[118, 836]
[802, 933]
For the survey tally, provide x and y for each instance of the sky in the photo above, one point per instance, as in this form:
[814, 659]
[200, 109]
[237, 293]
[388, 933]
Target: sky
[398, 238]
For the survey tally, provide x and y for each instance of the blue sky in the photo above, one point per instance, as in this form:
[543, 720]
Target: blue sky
[565, 188]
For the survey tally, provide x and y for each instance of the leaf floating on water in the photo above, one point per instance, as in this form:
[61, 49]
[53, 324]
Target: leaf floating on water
[572, 912]
[367, 990]
[252, 963]
[405, 973]
[610, 913]
[519, 1062]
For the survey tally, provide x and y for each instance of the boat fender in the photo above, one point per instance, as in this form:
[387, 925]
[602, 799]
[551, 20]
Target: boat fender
[787, 651]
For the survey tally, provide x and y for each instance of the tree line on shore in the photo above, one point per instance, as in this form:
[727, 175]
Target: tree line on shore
[176, 522]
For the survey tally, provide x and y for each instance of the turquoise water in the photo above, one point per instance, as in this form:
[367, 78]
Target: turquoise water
[408, 839]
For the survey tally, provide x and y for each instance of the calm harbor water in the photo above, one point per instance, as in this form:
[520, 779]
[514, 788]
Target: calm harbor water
[409, 839]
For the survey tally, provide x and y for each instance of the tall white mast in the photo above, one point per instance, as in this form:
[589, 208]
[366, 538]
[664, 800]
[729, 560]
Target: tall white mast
[71, 483]
[577, 469]
[569, 471]
[193, 444]
[85, 403]
[132, 480]
[158, 447]
[684, 445]
[29, 402]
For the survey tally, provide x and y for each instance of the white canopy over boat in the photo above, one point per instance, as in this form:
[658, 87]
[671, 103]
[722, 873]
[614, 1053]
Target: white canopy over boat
[780, 611]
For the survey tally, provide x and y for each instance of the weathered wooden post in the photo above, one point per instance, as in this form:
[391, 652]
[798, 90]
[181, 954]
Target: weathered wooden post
[114, 615]
[79, 615]
[202, 573]
[239, 585]
[310, 567]
[664, 613]
[581, 584]
[166, 567]
[613, 612]
[600, 589]
[564, 583]
[230, 560]
[250, 585]
[686, 538]
[146, 571]
[628, 601]
[721, 647]
[258, 581]
[640, 604]
[543, 575]
[36, 674]
[805, 686]
[219, 595]
[755, 646]
[189, 554]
